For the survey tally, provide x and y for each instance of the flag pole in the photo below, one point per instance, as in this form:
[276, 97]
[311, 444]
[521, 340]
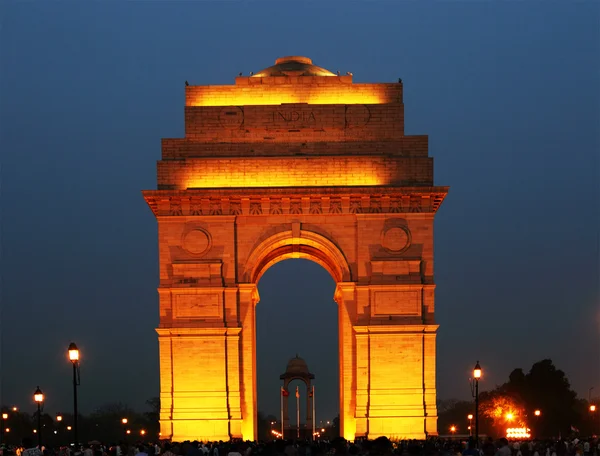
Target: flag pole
[314, 414]
[297, 413]
[281, 401]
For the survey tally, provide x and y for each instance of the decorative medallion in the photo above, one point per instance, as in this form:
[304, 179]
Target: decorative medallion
[396, 239]
[196, 241]
[357, 116]
[231, 117]
[335, 206]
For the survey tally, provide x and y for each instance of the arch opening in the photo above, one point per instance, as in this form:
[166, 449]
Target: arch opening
[304, 244]
[294, 318]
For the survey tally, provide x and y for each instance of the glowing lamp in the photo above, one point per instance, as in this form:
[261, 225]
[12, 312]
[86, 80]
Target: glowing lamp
[35, 431]
[592, 408]
[15, 409]
[58, 417]
[477, 371]
[509, 416]
[142, 432]
[124, 421]
[5, 416]
[7, 430]
[38, 396]
[537, 413]
[453, 429]
[69, 428]
[128, 431]
[56, 432]
[73, 352]
[469, 417]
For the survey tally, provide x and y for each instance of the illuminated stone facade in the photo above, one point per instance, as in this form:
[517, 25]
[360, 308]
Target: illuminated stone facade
[296, 162]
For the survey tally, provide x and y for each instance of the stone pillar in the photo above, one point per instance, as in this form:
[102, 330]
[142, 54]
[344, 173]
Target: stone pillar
[286, 411]
[195, 382]
[248, 298]
[309, 411]
[345, 296]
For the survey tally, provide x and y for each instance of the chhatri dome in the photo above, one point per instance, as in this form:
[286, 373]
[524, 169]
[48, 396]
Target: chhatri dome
[293, 66]
[297, 366]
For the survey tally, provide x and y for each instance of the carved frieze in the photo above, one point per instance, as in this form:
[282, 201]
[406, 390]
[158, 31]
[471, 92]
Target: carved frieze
[175, 203]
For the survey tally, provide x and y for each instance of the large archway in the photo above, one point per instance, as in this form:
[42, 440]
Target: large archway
[296, 317]
[296, 162]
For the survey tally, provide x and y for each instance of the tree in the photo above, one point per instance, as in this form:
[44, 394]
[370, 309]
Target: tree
[512, 404]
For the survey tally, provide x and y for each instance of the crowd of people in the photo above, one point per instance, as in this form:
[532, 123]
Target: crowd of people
[378, 447]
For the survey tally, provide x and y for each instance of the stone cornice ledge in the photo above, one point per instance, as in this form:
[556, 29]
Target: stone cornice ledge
[198, 332]
[396, 329]
[295, 201]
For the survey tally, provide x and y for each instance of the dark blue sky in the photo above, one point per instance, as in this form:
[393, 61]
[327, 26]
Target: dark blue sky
[508, 93]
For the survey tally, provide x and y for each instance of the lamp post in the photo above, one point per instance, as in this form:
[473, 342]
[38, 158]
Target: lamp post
[38, 397]
[475, 394]
[124, 421]
[74, 358]
[4, 418]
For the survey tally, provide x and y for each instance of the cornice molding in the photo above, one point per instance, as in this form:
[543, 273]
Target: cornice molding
[294, 201]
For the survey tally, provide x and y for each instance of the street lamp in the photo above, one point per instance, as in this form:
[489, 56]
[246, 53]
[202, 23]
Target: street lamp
[537, 413]
[475, 393]
[470, 418]
[4, 417]
[453, 429]
[14, 409]
[592, 408]
[38, 397]
[58, 417]
[124, 421]
[74, 358]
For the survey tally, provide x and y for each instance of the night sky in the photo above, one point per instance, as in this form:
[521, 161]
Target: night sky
[508, 92]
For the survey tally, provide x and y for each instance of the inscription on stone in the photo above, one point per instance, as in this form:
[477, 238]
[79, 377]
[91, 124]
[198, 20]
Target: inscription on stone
[292, 119]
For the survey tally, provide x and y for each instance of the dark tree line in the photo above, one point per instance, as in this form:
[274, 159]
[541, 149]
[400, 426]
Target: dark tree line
[104, 424]
[514, 403]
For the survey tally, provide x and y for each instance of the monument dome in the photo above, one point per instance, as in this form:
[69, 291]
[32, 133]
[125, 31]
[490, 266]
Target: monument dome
[293, 66]
[296, 365]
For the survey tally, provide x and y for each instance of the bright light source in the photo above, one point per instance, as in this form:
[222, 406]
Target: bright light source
[518, 433]
[477, 371]
[537, 413]
[73, 352]
[38, 396]
[469, 416]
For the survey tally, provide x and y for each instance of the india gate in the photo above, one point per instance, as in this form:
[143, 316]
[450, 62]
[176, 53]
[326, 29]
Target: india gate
[295, 161]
